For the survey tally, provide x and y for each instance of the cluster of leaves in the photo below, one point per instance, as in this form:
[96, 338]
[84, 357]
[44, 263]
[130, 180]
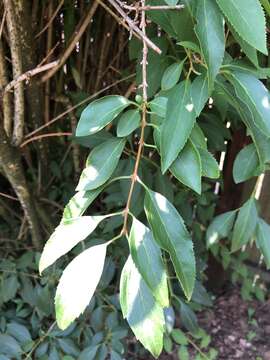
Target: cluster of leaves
[199, 94]
[27, 329]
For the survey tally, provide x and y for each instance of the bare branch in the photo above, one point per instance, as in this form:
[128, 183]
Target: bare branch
[150, 7]
[134, 27]
[28, 74]
[51, 19]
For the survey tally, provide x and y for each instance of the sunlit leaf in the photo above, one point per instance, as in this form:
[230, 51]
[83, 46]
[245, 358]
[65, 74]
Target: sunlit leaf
[66, 236]
[100, 164]
[77, 284]
[79, 203]
[143, 313]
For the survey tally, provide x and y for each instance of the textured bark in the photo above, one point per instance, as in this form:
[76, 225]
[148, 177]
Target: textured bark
[17, 69]
[13, 169]
[33, 91]
[7, 99]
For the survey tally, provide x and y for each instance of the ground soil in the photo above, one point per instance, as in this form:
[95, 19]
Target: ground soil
[234, 333]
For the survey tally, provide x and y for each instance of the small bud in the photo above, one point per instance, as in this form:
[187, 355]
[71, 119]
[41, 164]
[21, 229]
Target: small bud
[138, 99]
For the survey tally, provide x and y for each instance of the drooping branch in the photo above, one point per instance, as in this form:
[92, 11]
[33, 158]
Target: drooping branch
[17, 68]
[143, 120]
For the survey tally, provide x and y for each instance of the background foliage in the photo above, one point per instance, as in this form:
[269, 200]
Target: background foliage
[41, 161]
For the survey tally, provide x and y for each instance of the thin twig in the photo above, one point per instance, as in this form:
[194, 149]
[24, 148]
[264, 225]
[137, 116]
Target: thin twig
[30, 73]
[40, 340]
[3, 22]
[134, 177]
[150, 7]
[51, 19]
[9, 196]
[134, 27]
[42, 136]
[79, 104]
[74, 40]
[117, 18]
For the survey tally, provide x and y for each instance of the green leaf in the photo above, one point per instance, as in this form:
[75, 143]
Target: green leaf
[187, 167]
[220, 227]
[210, 32]
[171, 2]
[78, 204]
[147, 257]
[246, 164]
[89, 353]
[199, 92]
[100, 113]
[159, 106]
[200, 295]
[172, 75]
[19, 332]
[144, 315]
[190, 46]
[254, 94]
[210, 166]
[176, 128]
[100, 164]
[77, 284]
[183, 353]
[66, 236]
[266, 6]
[247, 49]
[170, 233]
[128, 122]
[247, 18]
[68, 346]
[198, 137]
[9, 346]
[261, 142]
[263, 240]
[179, 337]
[188, 318]
[245, 225]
